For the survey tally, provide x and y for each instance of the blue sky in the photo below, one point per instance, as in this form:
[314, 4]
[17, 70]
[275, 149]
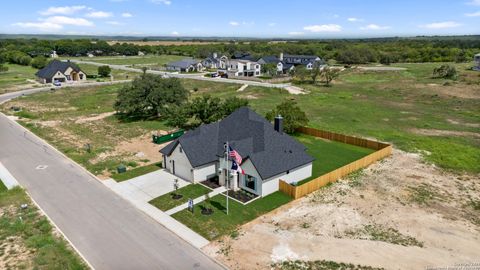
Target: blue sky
[246, 18]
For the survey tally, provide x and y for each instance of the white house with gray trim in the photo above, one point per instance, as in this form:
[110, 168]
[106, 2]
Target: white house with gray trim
[268, 153]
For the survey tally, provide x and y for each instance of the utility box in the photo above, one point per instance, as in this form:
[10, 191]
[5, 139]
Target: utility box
[121, 169]
[166, 138]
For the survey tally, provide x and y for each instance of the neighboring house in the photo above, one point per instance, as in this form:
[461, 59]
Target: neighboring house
[243, 56]
[54, 54]
[282, 67]
[268, 154]
[244, 68]
[476, 59]
[185, 65]
[60, 71]
[215, 62]
[287, 62]
[140, 53]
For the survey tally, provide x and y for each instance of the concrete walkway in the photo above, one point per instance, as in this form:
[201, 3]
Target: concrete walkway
[195, 201]
[140, 190]
[8, 180]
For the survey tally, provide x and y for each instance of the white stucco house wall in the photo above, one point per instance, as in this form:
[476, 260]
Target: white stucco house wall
[268, 154]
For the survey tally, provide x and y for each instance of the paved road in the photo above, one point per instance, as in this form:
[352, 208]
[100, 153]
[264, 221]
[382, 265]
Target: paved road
[107, 230]
[187, 76]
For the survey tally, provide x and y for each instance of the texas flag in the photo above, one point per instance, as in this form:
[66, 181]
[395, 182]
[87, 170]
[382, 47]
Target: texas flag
[236, 167]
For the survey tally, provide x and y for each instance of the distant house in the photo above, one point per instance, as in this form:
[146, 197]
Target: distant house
[140, 53]
[60, 71]
[476, 59]
[215, 62]
[185, 65]
[54, 54]
[268, 154]
[243, 68]
[287, 62]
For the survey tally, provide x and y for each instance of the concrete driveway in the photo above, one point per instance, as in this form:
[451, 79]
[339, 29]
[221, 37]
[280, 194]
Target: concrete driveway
[146, 187]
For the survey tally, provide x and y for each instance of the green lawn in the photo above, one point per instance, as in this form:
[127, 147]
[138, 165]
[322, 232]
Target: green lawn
[329, 155]
[165, 202]
[15, 77]
[30, 229]
[129, 174]
[118, 75]
[219, 223]
[2, 186]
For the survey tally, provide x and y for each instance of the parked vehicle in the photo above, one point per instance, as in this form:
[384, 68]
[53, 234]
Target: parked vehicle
[224, 75]
[57, 83]
[214, 75]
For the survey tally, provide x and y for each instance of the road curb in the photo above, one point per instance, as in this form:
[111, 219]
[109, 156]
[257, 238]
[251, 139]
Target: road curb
[7, 178]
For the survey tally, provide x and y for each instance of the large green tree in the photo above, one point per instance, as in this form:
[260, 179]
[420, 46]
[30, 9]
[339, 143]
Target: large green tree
[104, 71]
[150, 96]
[39, 62]
[292, 114]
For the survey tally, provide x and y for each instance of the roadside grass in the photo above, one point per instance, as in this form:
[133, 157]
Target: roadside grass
[219, 223]
[129, 174]
[16, 76]
[118, 75]
[329, 155]
[319, 265]
[30, 229]
[423, 194]
[192, 191]
[2, 186]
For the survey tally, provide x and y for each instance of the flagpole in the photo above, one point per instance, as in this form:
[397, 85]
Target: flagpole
[228, 177]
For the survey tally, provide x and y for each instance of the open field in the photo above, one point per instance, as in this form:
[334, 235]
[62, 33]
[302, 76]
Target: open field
[218, 224]
[118, 75]
[17, 77]
[159, 60]
[28, 240]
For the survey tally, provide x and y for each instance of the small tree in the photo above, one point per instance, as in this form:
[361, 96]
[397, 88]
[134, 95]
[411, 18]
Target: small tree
[39, 62]
[270, 69]
[329, 74]
[293, 116]
[301, 73]
[314, 73]
[3, 68]
[445, 72]
[104, 71]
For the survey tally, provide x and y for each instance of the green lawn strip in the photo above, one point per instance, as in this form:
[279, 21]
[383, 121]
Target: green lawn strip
[119, 177]
[219, 223]
[35, 233]
[16, 75]
[2, 186]
[165, 202]
[117, 73]
[329, 155]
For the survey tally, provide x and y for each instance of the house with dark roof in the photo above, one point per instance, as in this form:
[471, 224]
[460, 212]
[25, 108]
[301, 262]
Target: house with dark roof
[476, 59]
[268, 153]
[60, 71]
[185, 65]
[215, 62]
[287, 62]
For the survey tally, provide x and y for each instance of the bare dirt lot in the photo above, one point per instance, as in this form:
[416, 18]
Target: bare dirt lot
[400, 213]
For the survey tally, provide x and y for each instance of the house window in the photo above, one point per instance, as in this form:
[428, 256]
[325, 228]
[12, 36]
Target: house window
[250, 182]
[81, 76]
[180, 149]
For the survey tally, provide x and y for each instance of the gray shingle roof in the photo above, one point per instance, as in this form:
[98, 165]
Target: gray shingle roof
[251, 135]
[54, 66]
[184, 63]
[270, 59]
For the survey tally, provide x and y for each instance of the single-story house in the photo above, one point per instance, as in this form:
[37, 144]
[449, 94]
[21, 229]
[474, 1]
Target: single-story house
[60, 71]
[185, 65]
[268, 153]
[476, 59]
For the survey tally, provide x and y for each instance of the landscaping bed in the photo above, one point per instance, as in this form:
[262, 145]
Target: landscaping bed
[219, 223]
[241, 195]
[167, 201]
[211, 183]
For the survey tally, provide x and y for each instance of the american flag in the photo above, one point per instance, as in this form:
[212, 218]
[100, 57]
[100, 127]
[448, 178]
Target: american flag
[235, 155]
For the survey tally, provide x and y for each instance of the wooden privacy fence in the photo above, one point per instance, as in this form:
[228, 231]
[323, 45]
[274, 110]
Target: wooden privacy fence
[382, 150]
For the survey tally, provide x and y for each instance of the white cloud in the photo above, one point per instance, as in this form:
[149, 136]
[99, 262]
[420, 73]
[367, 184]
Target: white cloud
[62, 10]
[41, 26]
[175, 33]
[353, 19]
[336, 16]
[296, 33]
[474, 14]
[63, 20]
[165, 2]
[374, 27]
[114, 23]
[233, 23]
[441, 25]
[272, 24]
[474, 3]
[99, 14]
[127, 15]
[323, 28]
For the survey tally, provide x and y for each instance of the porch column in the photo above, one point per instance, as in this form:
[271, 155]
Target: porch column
[234, 184]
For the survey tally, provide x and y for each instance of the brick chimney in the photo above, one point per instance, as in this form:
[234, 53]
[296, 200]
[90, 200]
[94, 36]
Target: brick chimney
[281, 56]
[278, 124]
